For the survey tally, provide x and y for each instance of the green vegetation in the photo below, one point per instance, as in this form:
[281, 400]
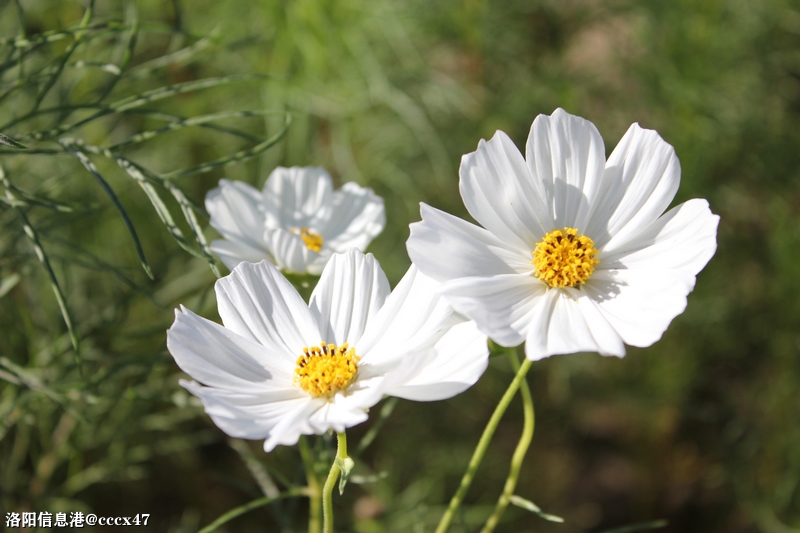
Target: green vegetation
[117, 119]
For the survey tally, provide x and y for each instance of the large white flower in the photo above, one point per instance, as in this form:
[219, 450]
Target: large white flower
[576, 254]
[297, 222]
[280, 368]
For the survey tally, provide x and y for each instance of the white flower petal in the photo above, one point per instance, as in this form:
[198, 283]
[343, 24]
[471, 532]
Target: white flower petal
[219, 357]
[413, 318]
[446, 247]
[357, 217]
[291, 253]
[643, 286]
[502, 305]
[256, 301]
[561, 325]
[293, 423]
[501, 195]
[641, 178]
[684, 238]
[235, 213]
[232, 253]
[455, 363]
[296, 196]
[246, 416]
[335, 416]
[566, 155]
[351, 290]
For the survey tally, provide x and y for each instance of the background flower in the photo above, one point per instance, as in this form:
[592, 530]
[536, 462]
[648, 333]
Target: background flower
[296, 222]
[368, 342]
[575, 255]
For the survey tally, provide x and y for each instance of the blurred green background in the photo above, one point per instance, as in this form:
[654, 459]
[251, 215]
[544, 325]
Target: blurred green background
[701, 429]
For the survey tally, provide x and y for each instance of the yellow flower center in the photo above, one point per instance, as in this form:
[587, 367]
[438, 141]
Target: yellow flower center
[564, 259]
[324, 370]
[312, 240]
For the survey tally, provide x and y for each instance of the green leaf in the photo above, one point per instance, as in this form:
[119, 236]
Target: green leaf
[528, 505]
[8, 141]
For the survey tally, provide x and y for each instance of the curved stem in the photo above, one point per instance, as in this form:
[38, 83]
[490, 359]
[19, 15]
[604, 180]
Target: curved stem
[314, 492]
[480, 449]
[524, 443]
[327, 490]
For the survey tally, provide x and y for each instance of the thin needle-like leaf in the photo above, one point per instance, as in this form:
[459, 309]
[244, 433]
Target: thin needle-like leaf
[113, 197]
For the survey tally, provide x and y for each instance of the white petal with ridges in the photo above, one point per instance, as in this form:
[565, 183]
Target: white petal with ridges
[446, 247]
[296, 196]
[351, 290]
[256, 301]
[291, 253]
[455, 363]
[566, 155]
[232, 253]
[235, 213]
[641, 178]
[357, 217]
[502, 306]
[501, 195]
[219, 357]
[413, 318]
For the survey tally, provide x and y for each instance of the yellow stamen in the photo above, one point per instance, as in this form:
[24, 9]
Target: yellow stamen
[312, 240]
[324, 370]
[564, 259]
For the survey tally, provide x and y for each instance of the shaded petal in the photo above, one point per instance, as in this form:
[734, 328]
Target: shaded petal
[232, 253]
[351, 290]
[445, 247]
[413, 318]
[643, 286]
[641, 178]
[291, 253]
[219, 357]
[566, 155]
[357, 217]
[246, 416]
[256, 301]
[296, 196]
[500, 193]
[455, 363]
[234, 208]
[685, 239]
[502, 306]
[293, 423]
[562, 324]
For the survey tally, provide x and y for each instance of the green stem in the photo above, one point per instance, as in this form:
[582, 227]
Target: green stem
[233, 513]
[327, 490]
[314, 492]
[519, 453]
[480, 450]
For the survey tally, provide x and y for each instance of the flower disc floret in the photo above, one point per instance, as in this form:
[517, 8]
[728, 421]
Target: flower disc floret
[312, 240]
[324, 370]
[564, 259]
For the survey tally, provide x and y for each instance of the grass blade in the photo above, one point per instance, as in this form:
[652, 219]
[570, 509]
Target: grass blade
[40, 253]
[11, 142]
[235, 158]
[67, 144]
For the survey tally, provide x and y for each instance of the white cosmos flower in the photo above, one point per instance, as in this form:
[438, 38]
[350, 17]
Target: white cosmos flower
[269, 374]
[576, 254]
[296, 222]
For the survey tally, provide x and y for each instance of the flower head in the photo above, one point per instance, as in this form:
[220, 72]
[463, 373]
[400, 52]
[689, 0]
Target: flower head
[575, 253]
[297, 222]
[279, 368]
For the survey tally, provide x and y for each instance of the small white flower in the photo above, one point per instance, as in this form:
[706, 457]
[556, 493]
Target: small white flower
[297, 222]
[576, 254]
[280, 368]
